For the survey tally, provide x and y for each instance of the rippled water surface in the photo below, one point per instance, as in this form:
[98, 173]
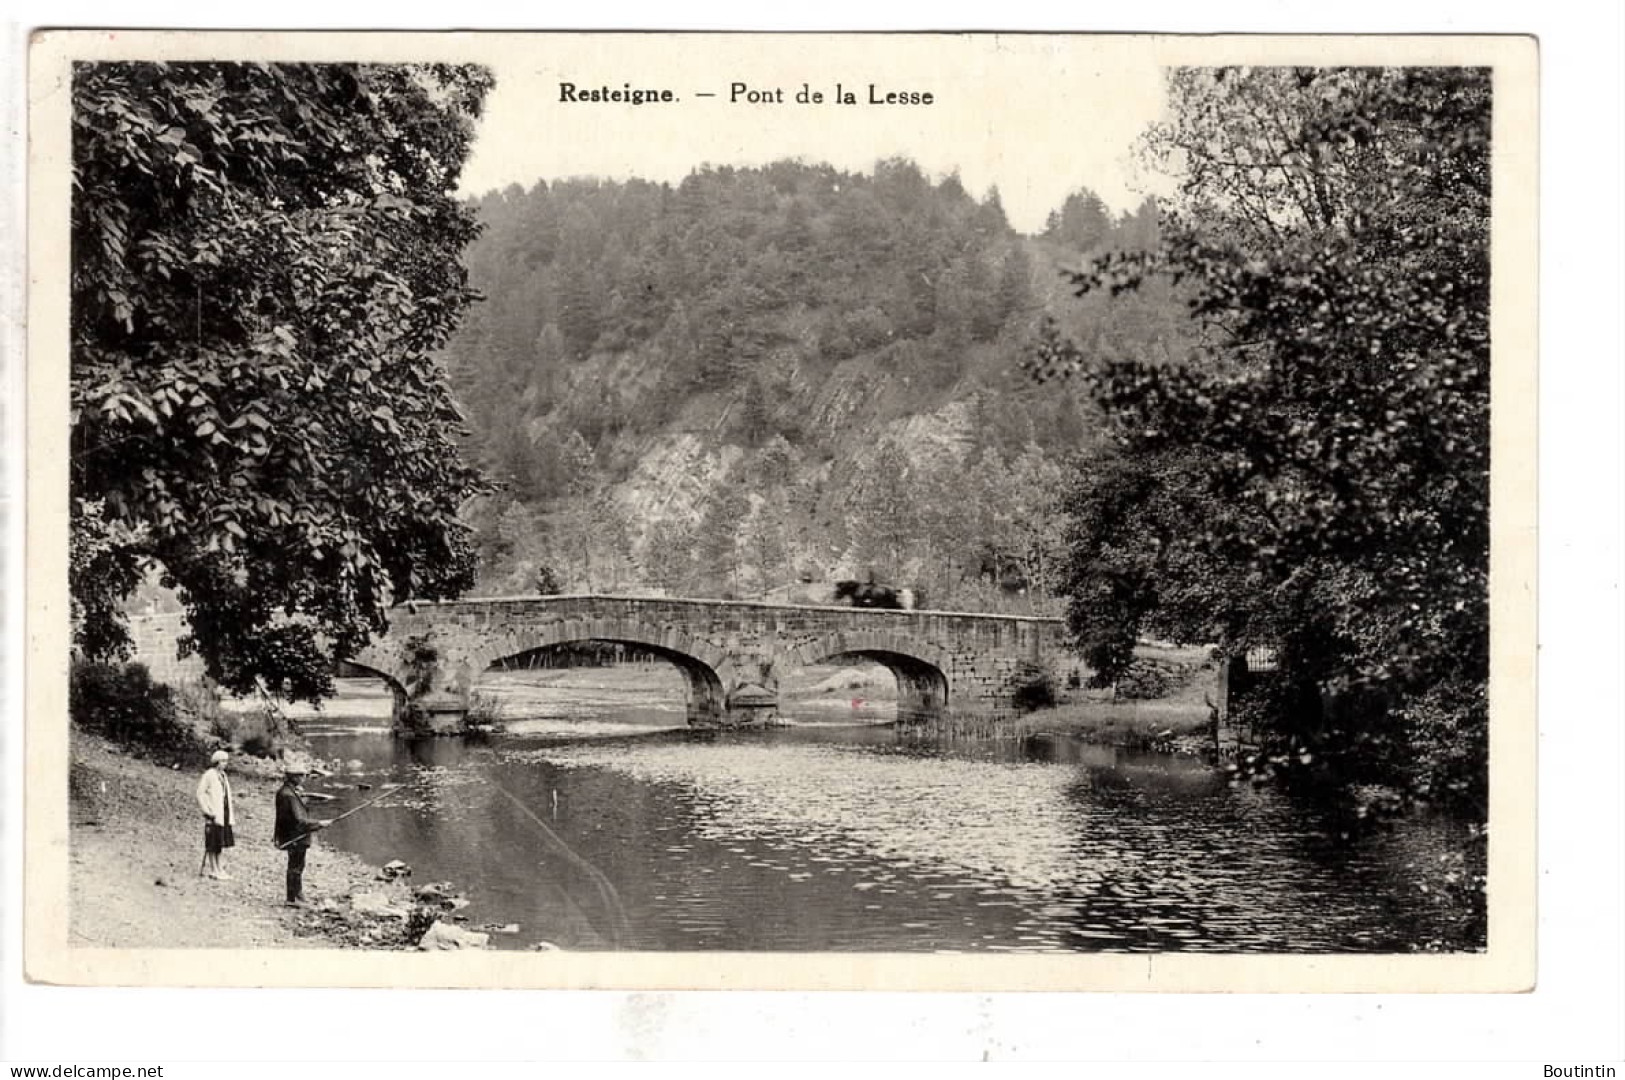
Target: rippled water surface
[598, 821]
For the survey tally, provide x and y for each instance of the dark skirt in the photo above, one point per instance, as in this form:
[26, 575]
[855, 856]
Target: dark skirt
[216, 838]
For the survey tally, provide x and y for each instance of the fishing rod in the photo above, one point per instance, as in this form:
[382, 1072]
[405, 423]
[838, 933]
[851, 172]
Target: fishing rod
[356, 809]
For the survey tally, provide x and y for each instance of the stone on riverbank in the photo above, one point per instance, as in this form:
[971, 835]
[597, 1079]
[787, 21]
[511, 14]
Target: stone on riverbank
[377, 904]
[444, 937]
[436, 892]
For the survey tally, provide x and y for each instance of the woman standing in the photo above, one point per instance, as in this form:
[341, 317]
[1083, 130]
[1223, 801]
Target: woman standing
[214, 799]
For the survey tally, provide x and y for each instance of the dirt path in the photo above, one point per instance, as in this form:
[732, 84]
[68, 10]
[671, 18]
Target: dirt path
[137, 841]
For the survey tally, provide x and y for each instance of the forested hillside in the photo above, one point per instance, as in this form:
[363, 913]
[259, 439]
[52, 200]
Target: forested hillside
[765, 376]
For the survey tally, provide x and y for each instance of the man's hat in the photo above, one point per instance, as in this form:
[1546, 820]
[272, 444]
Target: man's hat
[218, 756]
[295, 765]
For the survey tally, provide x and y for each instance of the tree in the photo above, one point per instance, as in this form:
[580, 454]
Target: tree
[766, 541]
[755, 414]
[717, 539]
[1034, 485]
[1082, 223]
[524, 564]
[265, 260]
[668, 557]
[1137, 559]
[990, 219]
[589, 527]
[1332, 242]
[1015, 290]
[882, 509]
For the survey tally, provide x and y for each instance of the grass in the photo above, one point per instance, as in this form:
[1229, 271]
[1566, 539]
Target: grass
[1119, 723]
[1179, 717]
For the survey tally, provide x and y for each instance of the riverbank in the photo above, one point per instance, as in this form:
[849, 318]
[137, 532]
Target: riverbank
[1180, 727]
[1165, 705]
[136, 842]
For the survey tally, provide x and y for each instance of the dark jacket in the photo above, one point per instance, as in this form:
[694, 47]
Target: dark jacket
[293, 821]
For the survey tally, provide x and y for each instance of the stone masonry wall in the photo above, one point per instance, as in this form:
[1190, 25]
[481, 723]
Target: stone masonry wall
[153, 640]
[722, 646]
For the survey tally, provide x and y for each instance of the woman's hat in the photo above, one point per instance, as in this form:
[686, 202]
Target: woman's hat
[218, 756]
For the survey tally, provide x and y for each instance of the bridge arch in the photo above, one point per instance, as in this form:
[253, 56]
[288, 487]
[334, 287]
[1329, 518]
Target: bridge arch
[387, 676]
[700, 662]
[921, 669]
[372, 663]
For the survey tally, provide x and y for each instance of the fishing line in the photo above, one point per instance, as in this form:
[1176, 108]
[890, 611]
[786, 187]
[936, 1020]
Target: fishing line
[619, 923]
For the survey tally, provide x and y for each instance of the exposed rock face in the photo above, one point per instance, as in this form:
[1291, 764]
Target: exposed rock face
[674, 476]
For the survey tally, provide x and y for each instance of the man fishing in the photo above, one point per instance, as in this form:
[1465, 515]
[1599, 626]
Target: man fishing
[294, 825]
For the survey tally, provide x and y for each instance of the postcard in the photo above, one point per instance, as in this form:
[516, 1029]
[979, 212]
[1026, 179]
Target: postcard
[977, 512]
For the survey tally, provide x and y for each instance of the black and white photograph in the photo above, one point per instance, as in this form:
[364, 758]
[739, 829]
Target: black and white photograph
[826, 511]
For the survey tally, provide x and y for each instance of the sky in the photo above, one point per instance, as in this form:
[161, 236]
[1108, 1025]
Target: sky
[1038, 117]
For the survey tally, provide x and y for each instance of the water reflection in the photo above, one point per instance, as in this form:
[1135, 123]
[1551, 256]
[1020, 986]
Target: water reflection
[598, 824]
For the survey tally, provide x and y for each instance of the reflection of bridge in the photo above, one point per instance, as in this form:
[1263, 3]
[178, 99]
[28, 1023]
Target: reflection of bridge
[731, 653]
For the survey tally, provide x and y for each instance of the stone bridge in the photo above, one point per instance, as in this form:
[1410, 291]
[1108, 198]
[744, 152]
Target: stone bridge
[732, 654]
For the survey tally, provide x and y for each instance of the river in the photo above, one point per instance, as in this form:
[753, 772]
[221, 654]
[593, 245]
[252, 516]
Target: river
[597, 820]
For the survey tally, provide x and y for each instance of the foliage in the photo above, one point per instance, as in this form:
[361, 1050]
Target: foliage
[586, 531]
[486, 712]
[103, 568]
[122, 703]
[1082, 222]
[547, 582]
[1139, 561]
[1034, 688]
[199, 702]
[1316, 475]
[266, 258]
[717, 539]
[1144, 681]
[794, 321]
[421, 652]
[255, 733]
[259, 731]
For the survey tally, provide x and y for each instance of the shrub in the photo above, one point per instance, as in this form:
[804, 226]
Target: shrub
[421, 656]
[256, 732]
[122, 703]
[198, 702]
[485, 711]
[253, 732]
[1034, 688]
[1144, 681]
